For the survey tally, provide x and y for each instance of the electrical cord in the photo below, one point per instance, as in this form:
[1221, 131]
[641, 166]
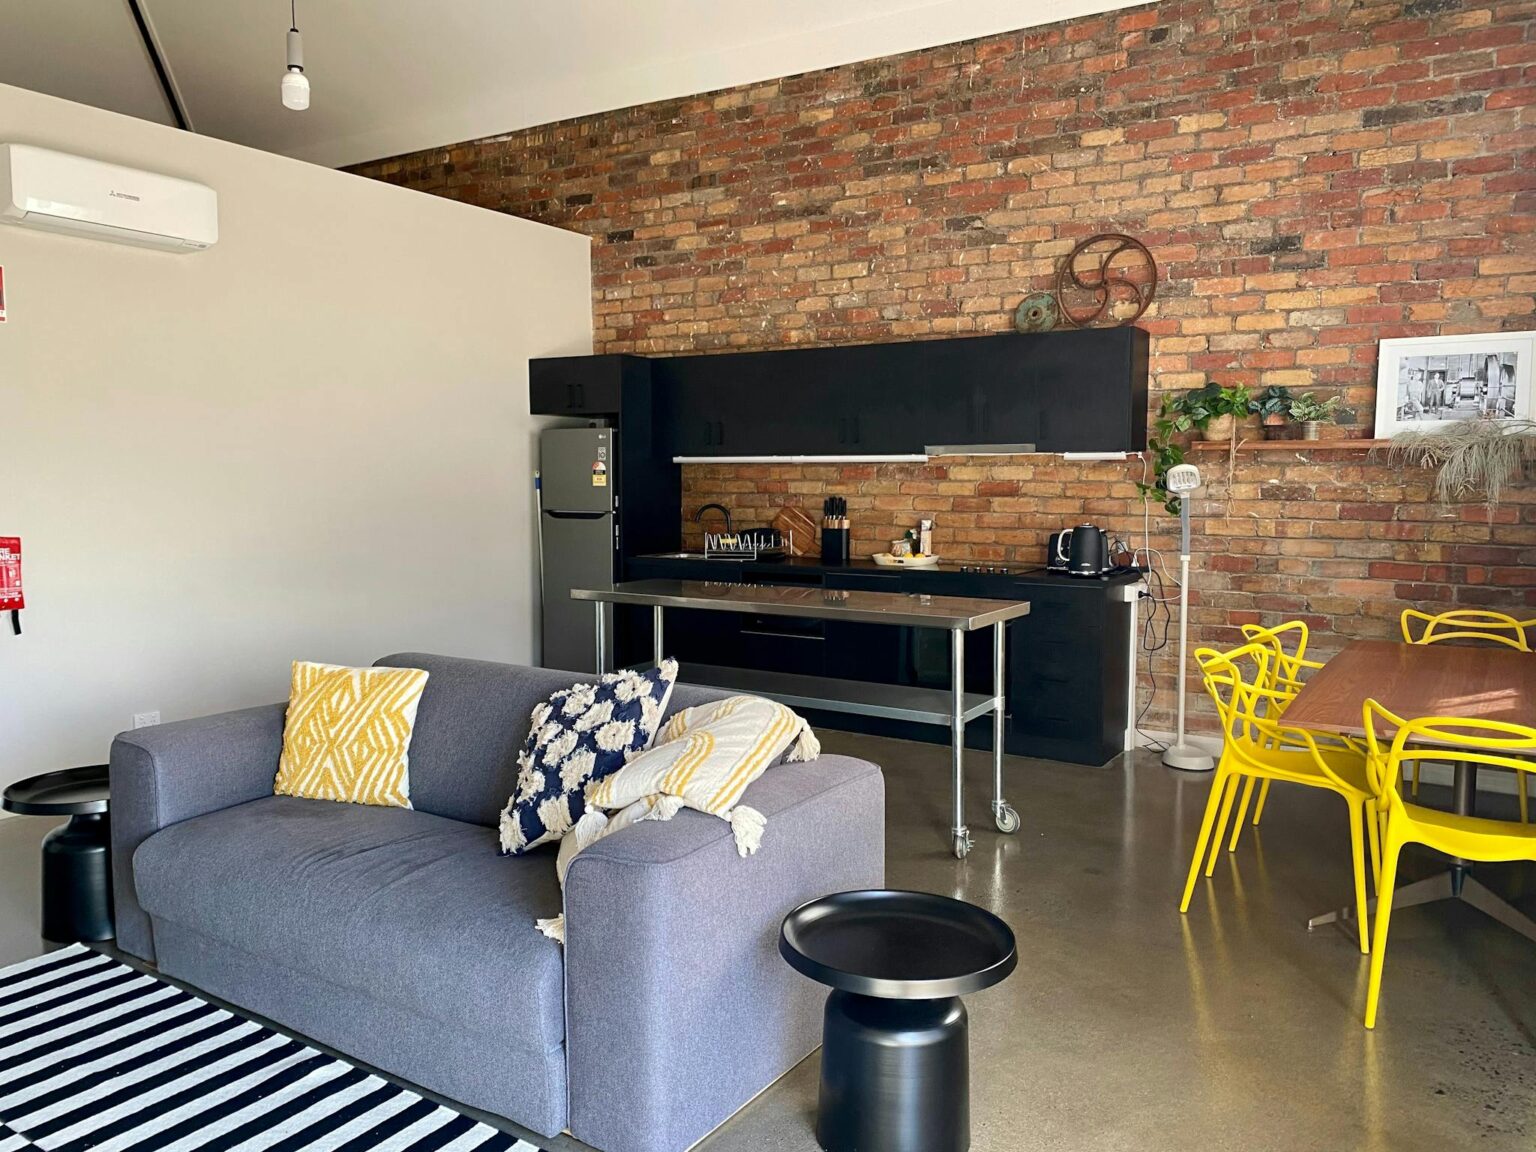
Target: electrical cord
[1150, 643]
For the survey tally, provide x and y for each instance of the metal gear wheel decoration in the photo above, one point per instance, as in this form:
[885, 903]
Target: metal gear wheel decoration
[1116, 274]
[1037, 313]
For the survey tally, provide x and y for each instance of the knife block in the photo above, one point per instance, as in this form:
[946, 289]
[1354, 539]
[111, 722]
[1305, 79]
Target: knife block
[834, 545]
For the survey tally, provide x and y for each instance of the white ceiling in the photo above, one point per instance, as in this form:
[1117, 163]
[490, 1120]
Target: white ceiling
[88, 51]
[392, 76]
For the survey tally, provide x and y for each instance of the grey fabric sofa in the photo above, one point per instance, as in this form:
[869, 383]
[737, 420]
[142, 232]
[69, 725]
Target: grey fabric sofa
[400, 937]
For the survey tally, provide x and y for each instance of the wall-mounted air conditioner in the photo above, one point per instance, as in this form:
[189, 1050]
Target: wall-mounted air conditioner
[56, 192]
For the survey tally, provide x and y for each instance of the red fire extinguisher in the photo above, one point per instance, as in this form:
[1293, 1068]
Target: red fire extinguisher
[11, 599]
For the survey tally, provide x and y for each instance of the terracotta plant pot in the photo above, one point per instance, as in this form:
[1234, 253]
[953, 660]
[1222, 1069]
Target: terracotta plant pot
[1274, 427]
[1220, 428]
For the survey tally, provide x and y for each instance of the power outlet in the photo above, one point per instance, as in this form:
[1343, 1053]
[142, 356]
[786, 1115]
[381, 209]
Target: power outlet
[145, 719]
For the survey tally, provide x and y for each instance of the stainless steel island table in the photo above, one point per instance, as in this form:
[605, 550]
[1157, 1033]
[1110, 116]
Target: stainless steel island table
[952, 709]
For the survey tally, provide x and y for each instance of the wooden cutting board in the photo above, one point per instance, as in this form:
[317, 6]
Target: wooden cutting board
[798, 530]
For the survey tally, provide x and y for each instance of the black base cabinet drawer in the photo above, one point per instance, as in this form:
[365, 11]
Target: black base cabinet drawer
[783, 644]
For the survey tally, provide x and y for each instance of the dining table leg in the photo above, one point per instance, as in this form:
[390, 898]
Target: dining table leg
[1455, 883]
[1463, 803]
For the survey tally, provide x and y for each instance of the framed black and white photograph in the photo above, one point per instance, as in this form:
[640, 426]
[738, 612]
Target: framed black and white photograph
[1434, 381]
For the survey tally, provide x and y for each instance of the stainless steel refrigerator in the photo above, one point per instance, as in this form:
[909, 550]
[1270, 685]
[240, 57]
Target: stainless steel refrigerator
[578, 542]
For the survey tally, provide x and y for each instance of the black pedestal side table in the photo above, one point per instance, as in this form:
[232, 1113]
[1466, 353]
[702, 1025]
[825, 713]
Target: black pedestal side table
[77, 856]
[895, 1057]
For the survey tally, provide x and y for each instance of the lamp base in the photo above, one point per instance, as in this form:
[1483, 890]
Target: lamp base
[1188, 758]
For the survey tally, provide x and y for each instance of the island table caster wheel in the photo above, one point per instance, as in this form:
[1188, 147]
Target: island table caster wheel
[1007, 818]
[962, 843]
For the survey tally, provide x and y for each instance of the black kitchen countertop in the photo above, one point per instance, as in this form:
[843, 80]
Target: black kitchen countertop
[808, 565]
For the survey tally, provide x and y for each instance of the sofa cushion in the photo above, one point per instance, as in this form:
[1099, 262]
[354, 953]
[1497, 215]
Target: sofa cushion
[580, 734]
[410, 908]
[347, 735]
[472, 723]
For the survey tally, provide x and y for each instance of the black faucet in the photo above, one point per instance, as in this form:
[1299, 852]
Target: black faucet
[698, 517]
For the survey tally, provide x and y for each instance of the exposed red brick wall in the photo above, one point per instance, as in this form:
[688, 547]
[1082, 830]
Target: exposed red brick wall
[1312, 176]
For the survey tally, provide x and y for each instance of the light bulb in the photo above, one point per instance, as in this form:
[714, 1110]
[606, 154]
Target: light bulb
[295, 83]
[295, 89]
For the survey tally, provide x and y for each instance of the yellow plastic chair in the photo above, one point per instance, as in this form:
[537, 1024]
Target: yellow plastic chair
[1288, 642]
[1404, 822]
[1256, 744]
[1469, 624]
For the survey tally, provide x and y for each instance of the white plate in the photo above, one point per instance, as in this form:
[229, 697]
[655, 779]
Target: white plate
[886, 560]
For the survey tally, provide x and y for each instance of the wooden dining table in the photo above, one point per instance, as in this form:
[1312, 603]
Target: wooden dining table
[1417, 680]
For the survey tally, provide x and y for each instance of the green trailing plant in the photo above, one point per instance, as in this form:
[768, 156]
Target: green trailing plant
[1184, 412]
[1308, 407]
[1471, 457]
[1166, 452]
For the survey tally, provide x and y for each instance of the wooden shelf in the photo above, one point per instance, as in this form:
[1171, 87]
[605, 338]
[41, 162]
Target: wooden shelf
[1289, 445]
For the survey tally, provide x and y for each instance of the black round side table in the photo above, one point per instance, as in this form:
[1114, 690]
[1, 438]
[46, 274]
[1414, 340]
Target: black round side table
[895, 1057]
[77, 857]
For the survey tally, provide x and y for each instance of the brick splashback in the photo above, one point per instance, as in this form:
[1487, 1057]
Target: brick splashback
[1312, 176]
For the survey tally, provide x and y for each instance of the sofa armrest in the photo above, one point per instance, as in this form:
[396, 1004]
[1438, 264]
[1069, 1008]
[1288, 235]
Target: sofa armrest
[168, 773]
[679, 1008]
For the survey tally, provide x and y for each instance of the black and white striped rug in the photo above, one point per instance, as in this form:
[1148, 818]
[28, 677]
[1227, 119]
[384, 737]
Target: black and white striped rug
[97, 1056]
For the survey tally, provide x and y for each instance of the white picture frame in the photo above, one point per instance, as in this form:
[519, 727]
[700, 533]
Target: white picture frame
[1430, 382]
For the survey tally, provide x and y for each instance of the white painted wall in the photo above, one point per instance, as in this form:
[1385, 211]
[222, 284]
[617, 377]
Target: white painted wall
[312, 441]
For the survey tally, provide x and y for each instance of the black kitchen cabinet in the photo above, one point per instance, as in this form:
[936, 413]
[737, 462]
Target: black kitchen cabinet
[583, 385]
[1089, 390]
[874, 652]
[1073, 391]
[689, 635]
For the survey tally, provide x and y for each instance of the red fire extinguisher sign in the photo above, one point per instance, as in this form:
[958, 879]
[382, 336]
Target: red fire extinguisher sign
[10, 574]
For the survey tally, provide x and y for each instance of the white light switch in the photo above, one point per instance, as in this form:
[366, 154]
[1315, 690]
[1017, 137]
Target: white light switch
[145, 719]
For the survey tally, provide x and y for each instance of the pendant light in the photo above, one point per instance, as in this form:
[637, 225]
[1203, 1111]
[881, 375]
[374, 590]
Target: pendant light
[295, 83]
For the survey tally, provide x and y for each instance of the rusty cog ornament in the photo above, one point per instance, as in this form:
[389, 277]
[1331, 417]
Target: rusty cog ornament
[1037, 313]
[1106, 281]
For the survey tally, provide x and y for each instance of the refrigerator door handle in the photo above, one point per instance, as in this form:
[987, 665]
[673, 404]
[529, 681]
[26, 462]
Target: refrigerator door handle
[576, 515]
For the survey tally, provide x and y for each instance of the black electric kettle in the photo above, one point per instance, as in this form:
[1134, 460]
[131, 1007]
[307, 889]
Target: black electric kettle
[1083, 550]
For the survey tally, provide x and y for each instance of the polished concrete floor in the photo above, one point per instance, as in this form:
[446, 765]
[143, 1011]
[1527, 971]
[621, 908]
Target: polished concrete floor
[1128, 1026]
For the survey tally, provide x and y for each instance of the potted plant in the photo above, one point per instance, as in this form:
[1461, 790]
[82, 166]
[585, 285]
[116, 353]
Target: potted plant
[1274, 408]
[1310, 412]
[1214, 411]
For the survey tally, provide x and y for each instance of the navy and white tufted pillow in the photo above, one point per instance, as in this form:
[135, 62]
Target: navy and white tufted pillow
[580, 734]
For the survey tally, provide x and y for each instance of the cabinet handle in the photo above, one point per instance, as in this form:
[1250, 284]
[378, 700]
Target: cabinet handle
[581, 396]
[570, 396]
[720, 427]
[842, 430]
[709, 433]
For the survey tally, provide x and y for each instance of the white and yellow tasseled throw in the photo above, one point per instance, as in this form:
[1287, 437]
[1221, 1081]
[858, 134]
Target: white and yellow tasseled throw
[704, 758]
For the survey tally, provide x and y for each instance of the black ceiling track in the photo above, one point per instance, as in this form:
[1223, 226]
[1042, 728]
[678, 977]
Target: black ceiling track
[158, 61]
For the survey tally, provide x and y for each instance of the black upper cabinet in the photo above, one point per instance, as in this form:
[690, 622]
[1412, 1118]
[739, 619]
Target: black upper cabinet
[582, 385]
[1072, 391]
[1090, 390]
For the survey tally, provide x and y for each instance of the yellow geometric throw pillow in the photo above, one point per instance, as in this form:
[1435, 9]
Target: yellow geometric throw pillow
[348, 733]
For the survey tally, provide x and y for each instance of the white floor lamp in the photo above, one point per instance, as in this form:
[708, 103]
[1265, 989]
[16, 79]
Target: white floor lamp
[1183, 479]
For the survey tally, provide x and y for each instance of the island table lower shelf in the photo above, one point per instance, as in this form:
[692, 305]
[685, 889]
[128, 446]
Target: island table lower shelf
[952, 709]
